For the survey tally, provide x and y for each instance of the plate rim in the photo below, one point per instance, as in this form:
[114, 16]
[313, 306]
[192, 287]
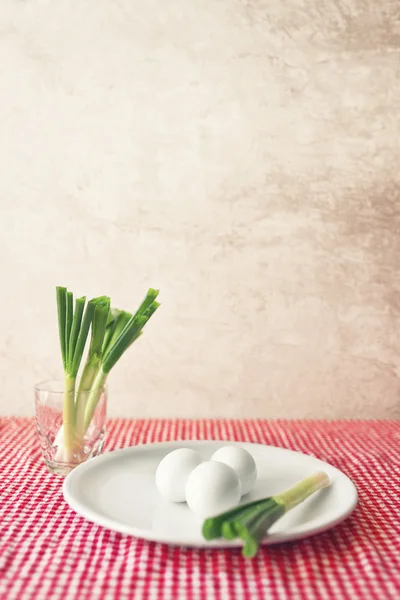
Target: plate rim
[149, 535]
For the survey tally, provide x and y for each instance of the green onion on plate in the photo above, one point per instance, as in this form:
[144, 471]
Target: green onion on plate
[250, 522]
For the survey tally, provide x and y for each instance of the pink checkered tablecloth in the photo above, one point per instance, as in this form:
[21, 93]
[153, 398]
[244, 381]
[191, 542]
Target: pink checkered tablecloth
[47, 551]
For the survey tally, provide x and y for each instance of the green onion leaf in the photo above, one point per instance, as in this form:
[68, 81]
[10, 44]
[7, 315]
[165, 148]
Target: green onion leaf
[212, 527]
[62, 317]
[82, 337]
[114, 329]
[69, 315]
[124, 340]
[148, 300]
[99, 325]
[151, 309]
[93, 361]
[76, 325]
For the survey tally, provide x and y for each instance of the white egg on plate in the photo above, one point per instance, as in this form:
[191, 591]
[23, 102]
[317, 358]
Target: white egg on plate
[212, 488]
[173, 471]
[240, 461]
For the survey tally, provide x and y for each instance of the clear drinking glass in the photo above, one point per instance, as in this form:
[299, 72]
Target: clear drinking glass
[49, 404]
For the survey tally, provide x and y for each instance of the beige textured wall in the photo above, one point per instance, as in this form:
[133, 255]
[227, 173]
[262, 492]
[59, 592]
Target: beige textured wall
[241, 155]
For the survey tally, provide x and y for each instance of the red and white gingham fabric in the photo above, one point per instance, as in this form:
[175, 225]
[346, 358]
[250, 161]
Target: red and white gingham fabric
[47, 551]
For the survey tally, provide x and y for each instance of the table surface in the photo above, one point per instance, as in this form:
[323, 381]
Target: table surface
[47, 551]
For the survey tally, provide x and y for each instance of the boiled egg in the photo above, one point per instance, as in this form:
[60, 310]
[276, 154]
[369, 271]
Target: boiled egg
[212, 488]
[241, 462]
[173, 471]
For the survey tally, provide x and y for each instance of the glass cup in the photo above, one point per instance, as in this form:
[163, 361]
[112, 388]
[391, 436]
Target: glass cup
[86, 442]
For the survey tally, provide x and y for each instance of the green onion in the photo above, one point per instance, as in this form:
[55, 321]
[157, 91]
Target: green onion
[72, 334]
[112, 332]
[115, 318]
[93, 360]
[250, 522]
[127, 328]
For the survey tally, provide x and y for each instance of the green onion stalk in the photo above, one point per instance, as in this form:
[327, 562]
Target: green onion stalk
[250, 522]
[112, 332]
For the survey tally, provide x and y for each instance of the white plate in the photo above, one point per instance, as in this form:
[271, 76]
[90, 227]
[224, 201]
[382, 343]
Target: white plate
[117, 491]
